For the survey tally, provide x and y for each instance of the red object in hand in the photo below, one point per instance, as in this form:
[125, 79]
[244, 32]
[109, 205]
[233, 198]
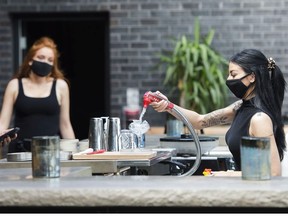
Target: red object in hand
[150, 97]
[97, 152]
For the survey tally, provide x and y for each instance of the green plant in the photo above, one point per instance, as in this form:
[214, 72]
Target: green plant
[197, 71]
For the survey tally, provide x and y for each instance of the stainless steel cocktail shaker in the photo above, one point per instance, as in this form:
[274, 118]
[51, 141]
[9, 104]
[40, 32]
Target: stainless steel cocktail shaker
[113, 133]
[95, 136]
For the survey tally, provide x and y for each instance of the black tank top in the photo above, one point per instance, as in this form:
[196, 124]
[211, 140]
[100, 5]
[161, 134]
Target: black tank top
[239, 128]
[36, 116]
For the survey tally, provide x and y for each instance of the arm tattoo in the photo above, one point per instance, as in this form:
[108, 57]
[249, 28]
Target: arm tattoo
[218, 116]
[214, 118]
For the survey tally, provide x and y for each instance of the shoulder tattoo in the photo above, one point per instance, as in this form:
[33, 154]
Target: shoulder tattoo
[237, 105]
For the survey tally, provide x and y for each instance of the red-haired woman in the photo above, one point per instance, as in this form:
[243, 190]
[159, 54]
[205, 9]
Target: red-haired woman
[38, 94]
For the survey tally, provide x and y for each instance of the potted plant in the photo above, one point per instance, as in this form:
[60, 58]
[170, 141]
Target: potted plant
[196, 71]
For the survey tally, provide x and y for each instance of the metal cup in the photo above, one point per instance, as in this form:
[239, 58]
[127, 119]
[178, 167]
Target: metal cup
[45, 156]
[174, 127]
[105, 130]
[95, 136]
[113, 133]
[255, 158]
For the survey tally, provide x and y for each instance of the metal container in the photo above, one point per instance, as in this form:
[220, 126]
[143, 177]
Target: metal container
[174, 127]
[105, 120]
[255, 158]
[95, 136]
[45, 156]
[19, 156]
[113, 134]
[27, 156]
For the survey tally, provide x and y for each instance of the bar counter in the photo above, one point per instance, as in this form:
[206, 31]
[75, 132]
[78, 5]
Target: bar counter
[143, 194]
[223, 192]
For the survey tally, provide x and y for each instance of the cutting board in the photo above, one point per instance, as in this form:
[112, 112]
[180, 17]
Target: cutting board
[116, 155]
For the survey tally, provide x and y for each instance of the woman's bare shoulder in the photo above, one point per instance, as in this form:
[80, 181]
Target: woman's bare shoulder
[260, 117]
[261, 124]
[13, 83]
[62, 87]
[61, 83]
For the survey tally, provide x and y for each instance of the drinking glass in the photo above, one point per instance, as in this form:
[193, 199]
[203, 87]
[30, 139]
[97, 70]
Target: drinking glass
[139, 128]
[127, 140]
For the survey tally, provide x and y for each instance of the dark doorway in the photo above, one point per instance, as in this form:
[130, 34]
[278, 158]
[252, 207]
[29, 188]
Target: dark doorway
[83, 42]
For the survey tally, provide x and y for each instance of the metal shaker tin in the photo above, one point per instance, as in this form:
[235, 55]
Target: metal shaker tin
[255, 158]
[105, 120]
[45, 156]
[95, 135]
[113, 134]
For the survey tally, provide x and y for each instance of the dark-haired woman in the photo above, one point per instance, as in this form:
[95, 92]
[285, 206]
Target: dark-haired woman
[260, 85]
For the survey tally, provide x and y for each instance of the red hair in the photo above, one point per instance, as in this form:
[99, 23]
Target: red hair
[25, 70]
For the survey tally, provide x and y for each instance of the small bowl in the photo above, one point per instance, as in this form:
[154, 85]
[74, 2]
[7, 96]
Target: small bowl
[19, 156]
[65, 155]
[83, 145]
[69, 145]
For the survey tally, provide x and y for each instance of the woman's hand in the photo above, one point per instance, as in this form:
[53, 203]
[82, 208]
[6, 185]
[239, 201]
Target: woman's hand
[7, 139]
[160, 106]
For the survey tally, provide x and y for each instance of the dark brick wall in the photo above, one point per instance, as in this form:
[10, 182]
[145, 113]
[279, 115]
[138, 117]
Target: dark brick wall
[141, 28]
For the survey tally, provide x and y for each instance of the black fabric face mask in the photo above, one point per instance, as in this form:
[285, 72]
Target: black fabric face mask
[237, 87]
[41, 68]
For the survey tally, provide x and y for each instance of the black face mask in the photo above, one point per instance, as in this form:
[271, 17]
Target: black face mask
[41, 68]
[237, 87]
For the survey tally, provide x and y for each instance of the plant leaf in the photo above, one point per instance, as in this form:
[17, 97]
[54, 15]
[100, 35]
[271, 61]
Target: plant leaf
[196, 70]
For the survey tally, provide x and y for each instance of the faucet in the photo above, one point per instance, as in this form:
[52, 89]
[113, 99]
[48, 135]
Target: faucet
[151, 97]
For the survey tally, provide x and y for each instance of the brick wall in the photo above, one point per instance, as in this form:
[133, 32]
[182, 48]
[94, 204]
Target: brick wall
[140, 28]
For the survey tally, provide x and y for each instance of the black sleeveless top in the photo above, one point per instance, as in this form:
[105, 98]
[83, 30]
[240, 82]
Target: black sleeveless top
[36, 116]
[239, 128]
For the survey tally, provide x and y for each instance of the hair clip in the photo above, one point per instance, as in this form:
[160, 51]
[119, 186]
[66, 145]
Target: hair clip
[271, 63]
